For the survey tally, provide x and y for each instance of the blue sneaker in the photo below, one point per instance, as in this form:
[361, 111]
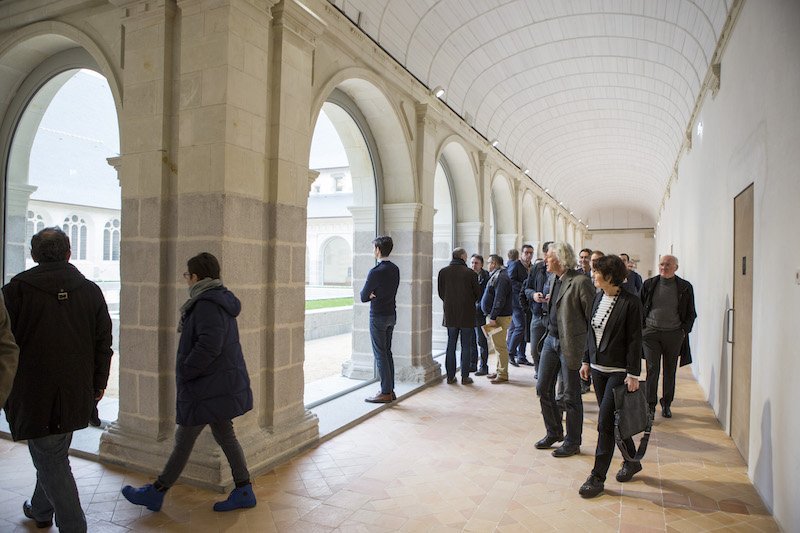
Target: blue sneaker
[147, 496]
[240, 498]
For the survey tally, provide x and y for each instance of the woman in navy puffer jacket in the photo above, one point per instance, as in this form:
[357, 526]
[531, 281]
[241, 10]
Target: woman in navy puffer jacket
[212, 384]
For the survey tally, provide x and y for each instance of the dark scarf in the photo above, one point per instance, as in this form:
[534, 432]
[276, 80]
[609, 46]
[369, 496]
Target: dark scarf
[194, 293]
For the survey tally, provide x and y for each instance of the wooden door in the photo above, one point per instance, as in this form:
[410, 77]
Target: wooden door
[741, 364]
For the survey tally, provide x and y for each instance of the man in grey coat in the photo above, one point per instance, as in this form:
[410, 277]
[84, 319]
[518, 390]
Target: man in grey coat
[459, 290]
[569, 309]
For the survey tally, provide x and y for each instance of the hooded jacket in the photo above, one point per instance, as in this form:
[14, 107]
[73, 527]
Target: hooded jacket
[211, 376]
[61, 323]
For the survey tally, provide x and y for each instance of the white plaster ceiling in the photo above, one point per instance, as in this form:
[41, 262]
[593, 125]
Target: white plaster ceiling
[593, 96]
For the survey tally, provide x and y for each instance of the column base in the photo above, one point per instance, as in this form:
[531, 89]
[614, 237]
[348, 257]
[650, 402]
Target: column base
[207, 467]
[359, 367]
[427, 372]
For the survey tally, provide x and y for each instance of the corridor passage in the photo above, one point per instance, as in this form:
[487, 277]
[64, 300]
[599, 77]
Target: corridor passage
[450, 458]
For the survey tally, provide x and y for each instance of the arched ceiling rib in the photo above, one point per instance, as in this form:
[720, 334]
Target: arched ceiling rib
[593, 96]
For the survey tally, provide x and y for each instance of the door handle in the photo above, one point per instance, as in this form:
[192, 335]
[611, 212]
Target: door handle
[729, 321]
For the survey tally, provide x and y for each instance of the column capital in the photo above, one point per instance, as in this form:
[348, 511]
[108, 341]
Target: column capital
[426, 117]
[312, 177]
[401, 216]
[144, 10]
[299, 20]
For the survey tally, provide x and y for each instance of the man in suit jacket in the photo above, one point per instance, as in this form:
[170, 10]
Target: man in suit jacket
[459, 290]
[568, 313]
[668, 316]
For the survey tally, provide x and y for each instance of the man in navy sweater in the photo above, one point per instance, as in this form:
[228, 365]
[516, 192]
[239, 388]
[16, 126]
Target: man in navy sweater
[380, 290]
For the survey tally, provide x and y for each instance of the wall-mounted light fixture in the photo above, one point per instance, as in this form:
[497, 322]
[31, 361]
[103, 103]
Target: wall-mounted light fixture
[438, 91]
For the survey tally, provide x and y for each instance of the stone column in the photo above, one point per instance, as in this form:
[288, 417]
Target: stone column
[147, 266]
[470, 237]
[361, 364]
[18, 196]
[222, 201]
[413, 252]
[505, 242]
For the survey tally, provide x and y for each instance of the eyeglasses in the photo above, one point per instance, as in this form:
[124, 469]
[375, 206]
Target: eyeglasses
[187, 275]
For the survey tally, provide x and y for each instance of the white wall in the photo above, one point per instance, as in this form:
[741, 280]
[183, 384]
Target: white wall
[751, 134]
[638, 244]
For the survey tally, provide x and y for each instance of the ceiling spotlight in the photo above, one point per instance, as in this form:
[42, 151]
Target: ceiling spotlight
[495, 142]
[438, 91]
[547, 191]
[571, 213]
[580, 221]
[561, 203]
[527, 172]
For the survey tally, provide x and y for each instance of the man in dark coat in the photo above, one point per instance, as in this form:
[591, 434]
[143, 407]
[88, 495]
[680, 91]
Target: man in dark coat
[667, 317]
[61, 323]
[459, 290]
[480, 361]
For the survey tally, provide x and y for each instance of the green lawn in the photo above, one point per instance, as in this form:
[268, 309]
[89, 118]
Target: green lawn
[328, 302]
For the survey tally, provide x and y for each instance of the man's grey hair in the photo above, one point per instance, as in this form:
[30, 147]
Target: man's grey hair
[460, 253]
[564, 253]
[674, 258]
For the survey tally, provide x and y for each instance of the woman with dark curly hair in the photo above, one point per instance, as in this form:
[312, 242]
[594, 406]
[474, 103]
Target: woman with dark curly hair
[613, 357]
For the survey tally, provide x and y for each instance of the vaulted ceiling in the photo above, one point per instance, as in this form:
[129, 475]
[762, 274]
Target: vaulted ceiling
[593, 96]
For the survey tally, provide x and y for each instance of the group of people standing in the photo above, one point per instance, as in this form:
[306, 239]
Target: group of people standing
[587, 322]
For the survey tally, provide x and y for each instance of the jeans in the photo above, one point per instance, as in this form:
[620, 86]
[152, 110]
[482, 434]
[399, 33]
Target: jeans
[482, 349]
[538, 329]
[185, 437]
[656, 344]
[55, 486]
[516, 341]
[381, 328]
[551, 363]
[467, 347]
[604, 389]
[499, 342]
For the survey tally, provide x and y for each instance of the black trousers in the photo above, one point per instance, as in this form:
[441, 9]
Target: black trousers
[603, 387]
[657, 345]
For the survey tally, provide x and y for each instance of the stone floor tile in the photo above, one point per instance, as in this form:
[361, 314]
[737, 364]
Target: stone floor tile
[446, 462]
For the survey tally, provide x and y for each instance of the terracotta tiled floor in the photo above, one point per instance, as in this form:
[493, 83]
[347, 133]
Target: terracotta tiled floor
[451, 458]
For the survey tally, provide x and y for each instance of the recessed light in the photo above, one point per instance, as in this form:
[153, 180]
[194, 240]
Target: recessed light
[495, 142]
[438, 91]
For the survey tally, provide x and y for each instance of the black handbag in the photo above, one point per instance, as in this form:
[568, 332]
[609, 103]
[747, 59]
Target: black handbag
[631, 417]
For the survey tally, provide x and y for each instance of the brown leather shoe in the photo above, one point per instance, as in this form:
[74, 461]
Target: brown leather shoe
[379, 398]
[497, 380]
[493, 375]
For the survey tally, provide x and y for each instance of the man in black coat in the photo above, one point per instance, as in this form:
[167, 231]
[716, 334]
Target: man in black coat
[459, 290]
[480, 356]
[61, 323]
[667, 317]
